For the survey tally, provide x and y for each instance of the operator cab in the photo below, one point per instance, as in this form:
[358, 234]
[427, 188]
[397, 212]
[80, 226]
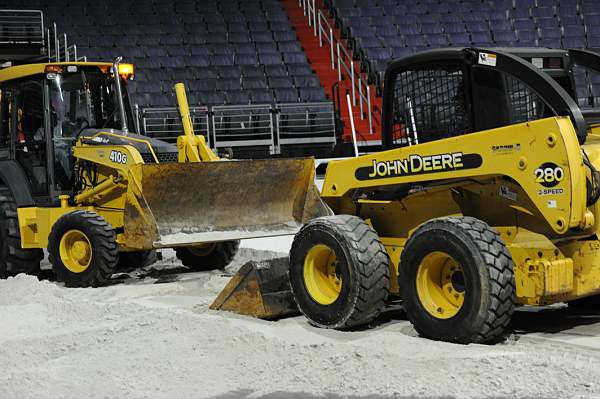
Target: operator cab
[444, 93]
[44, 108]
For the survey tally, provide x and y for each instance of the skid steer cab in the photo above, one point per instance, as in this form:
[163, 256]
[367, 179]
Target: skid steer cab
[76, 180]
[483, 199]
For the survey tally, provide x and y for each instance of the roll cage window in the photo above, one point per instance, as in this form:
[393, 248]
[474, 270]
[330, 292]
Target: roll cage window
[86, 98]
[446, 93]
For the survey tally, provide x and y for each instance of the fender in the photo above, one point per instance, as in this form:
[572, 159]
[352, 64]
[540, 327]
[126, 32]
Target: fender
[13, 176]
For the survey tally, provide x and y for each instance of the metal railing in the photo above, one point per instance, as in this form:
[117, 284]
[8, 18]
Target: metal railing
[247, 125]
[21, 27]
[310, 11]
[305, 123]
[165, 123]
[243, 126]
[341, 60]
[59, 49]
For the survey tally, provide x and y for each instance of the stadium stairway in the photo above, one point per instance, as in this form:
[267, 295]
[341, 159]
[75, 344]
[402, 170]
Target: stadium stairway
[320, 60]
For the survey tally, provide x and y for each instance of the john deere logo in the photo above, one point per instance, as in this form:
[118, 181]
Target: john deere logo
[416, 165]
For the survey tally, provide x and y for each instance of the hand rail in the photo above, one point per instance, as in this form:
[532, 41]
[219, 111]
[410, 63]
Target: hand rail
[22, 26]
[342, 61]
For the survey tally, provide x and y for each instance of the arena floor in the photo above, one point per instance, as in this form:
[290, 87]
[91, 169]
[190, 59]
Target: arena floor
[151, 335]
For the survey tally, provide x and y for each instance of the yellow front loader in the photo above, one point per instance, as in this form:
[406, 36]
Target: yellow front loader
[484, 198]
[75, 180]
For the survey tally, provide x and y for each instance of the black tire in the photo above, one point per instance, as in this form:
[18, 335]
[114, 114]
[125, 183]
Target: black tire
[362, 265]
[216, 257]
[487, 278]
[104, 249]
[13, 258]
[136, 260]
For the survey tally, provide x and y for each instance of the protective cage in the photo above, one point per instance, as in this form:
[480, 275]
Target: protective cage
[431, 95]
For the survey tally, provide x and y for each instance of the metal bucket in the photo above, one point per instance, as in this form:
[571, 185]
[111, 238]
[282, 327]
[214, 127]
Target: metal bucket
[171, 205]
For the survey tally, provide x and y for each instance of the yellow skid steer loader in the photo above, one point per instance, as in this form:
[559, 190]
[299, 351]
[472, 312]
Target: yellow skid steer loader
[484, 198]
[74, 180]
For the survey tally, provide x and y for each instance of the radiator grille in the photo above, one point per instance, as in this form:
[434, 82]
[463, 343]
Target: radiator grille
[163, 157]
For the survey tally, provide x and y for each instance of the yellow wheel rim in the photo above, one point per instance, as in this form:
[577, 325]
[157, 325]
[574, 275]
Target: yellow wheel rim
[202, 250]
[440, 285]
[75, 251]
[321, 275]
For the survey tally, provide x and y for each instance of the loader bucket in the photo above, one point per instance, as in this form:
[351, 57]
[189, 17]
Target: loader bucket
[186, 204]
[259, 289]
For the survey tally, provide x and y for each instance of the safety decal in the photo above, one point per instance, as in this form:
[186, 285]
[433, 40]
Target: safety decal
[508, 193]
[418, 165]
[487, 59]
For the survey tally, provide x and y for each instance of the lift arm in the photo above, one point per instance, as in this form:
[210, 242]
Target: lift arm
[192, 148]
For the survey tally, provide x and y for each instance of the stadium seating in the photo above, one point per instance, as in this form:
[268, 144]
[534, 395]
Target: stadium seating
[227, 51]
[376, 29]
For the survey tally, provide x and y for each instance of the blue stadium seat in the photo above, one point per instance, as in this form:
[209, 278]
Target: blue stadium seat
[246, 59]
[183, 73]
[306, 81]
[236, 37]
[369, 42]
[174, 51]
[481, 38]
[261, 96]
[429, 29]
[221, 60]
[252, 71]
[233, 71]
[401, 52]
[261, 37]
[455, 28]
[243, 48]
[237, 97]
[281, 83]
[505, 38]
[575, 42]
[206, 73]
[437, 40]
[286, 95]
[289, 46]
[308, 94]
[267, 48]
[459, 39]
[275, 70]
[198, 61]
[478, 26]
[203, 85]
[384, 53]
[270, 59]
[254, 83]
[299, 70]
[211, 98]
[415, 41]
[295, 58]
[393, 41]
[527, 38]
[225, 84]
[284, 36]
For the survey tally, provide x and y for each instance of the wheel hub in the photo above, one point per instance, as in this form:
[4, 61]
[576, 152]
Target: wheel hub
[322, 277]
[440, 285]
[75, 251]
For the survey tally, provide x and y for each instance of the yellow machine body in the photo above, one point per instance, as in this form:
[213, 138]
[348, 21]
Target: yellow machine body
[199, 199]
[527, 180]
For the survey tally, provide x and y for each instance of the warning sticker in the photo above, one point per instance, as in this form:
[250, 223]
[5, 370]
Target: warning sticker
[487, 59]
[506, 192]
